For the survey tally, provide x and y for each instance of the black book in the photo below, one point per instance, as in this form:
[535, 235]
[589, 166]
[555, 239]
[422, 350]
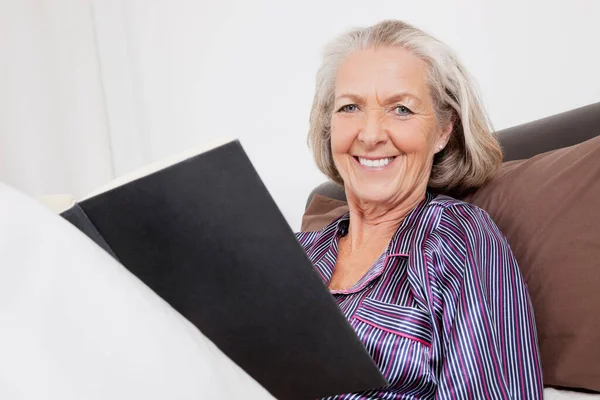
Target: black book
[203, 232]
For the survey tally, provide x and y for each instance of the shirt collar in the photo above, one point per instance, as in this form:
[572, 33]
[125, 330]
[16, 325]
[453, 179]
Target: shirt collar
[403, 238]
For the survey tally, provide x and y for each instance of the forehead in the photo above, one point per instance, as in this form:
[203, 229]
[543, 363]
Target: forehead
[382, 70]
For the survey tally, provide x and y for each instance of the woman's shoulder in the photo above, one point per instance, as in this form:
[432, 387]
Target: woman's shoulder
[459, 211]
[467, 239]
[466, 222]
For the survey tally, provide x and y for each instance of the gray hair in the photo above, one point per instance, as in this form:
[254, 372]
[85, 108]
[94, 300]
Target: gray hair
[473, 153]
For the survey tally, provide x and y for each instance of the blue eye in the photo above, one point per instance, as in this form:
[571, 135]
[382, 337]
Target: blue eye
[402, 110]
[348, 108]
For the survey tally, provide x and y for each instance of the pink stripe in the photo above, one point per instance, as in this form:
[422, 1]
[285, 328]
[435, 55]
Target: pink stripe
[359, 305]
[486, 325]
[501, 330]
[394, 332]
[399, 316]
[392, 358]
[405, 367]
[517, 327]
[461, 362]
[387, 278]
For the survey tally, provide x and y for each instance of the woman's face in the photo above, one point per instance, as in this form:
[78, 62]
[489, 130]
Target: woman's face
[383, 129]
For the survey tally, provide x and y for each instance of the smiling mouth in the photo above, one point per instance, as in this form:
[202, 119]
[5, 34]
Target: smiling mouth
[374, 163]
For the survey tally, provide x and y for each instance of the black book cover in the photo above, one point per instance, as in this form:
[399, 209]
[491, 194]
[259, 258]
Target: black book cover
[77, 217]
[207, 237]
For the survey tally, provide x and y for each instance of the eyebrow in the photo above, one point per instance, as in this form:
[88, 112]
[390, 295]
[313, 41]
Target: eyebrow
[389, 100]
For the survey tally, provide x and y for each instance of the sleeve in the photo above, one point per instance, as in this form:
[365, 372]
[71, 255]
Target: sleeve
[489, 339]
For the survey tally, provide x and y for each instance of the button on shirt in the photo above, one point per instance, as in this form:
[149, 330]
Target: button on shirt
[444, 311]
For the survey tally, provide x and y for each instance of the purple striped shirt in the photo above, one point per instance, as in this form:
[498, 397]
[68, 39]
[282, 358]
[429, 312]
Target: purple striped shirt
[444, 311]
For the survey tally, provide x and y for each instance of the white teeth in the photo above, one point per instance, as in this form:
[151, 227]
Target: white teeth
[382, 162]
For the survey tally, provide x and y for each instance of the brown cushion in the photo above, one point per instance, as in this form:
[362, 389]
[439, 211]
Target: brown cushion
[321, 211]
[549, 209]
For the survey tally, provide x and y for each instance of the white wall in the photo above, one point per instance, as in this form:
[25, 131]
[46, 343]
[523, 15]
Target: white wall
[53, 134]
[202, 69]
[173, 73]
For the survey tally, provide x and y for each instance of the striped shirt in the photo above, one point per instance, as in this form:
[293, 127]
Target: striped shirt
[444, 311]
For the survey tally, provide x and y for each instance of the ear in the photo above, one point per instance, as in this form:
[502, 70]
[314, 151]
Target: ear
[444, 137]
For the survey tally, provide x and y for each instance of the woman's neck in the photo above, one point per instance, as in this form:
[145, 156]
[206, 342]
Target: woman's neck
[374, 224]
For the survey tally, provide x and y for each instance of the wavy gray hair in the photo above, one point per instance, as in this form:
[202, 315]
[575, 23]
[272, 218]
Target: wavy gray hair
[473, 153]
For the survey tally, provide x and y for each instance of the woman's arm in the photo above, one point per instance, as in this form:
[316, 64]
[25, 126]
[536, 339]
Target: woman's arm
[489, 337]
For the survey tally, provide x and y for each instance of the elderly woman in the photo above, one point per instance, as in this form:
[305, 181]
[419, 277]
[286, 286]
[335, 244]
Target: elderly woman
[428, 282]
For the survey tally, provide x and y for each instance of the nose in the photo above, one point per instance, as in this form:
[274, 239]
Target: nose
[372, 132]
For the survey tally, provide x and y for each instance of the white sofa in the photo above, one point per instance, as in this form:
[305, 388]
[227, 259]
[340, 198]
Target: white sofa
[75, 324]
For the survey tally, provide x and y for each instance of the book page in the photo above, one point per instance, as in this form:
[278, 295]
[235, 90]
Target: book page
[157, 166]
[57, 203]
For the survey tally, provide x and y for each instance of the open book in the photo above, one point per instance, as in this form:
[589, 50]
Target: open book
[202, 231]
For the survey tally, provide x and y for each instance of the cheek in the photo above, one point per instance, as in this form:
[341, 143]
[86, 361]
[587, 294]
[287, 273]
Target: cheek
[343, 134]
[411, 137]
